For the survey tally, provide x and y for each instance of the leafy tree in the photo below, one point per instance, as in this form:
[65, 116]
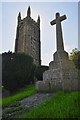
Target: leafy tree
[75, 56]
[17, 70]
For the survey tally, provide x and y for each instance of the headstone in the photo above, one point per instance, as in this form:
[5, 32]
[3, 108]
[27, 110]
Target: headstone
[62, 73]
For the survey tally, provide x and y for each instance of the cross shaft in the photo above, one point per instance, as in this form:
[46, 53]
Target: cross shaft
[59, 37]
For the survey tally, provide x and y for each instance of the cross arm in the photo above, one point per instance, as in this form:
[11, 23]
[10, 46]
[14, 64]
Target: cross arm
[53, 22]
[63, 17]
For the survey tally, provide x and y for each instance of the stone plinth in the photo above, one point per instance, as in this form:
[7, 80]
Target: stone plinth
[62, 75]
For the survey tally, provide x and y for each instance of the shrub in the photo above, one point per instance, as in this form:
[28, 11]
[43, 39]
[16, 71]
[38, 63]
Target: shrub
[75, 57]
[17, 70]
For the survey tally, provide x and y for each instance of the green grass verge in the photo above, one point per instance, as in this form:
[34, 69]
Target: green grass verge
[64, 105]
[19, 95]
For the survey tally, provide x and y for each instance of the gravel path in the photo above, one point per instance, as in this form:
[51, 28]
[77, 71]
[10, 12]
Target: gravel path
[35, 99]
[27, 103]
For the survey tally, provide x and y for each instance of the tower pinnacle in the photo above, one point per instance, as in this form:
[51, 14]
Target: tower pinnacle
[38, 20]
[29, 12]
[19, 17]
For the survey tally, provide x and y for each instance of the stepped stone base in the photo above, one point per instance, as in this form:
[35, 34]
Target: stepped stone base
[62, 74]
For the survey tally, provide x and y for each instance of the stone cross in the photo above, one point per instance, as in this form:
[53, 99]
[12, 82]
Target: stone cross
[59, 37]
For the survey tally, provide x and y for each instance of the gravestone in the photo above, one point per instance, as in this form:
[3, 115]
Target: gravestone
[62, 73]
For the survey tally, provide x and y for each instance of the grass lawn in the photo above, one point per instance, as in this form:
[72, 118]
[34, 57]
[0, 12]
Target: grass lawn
[63, 105]
[19, 95]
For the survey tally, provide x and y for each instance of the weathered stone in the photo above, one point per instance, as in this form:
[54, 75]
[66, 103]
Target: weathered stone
[42, 86]
[62, 73]
[28, 37]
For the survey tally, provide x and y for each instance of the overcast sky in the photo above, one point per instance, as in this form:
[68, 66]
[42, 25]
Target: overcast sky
[47, 11]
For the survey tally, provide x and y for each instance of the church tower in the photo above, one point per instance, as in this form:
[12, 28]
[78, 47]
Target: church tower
[28, 37]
